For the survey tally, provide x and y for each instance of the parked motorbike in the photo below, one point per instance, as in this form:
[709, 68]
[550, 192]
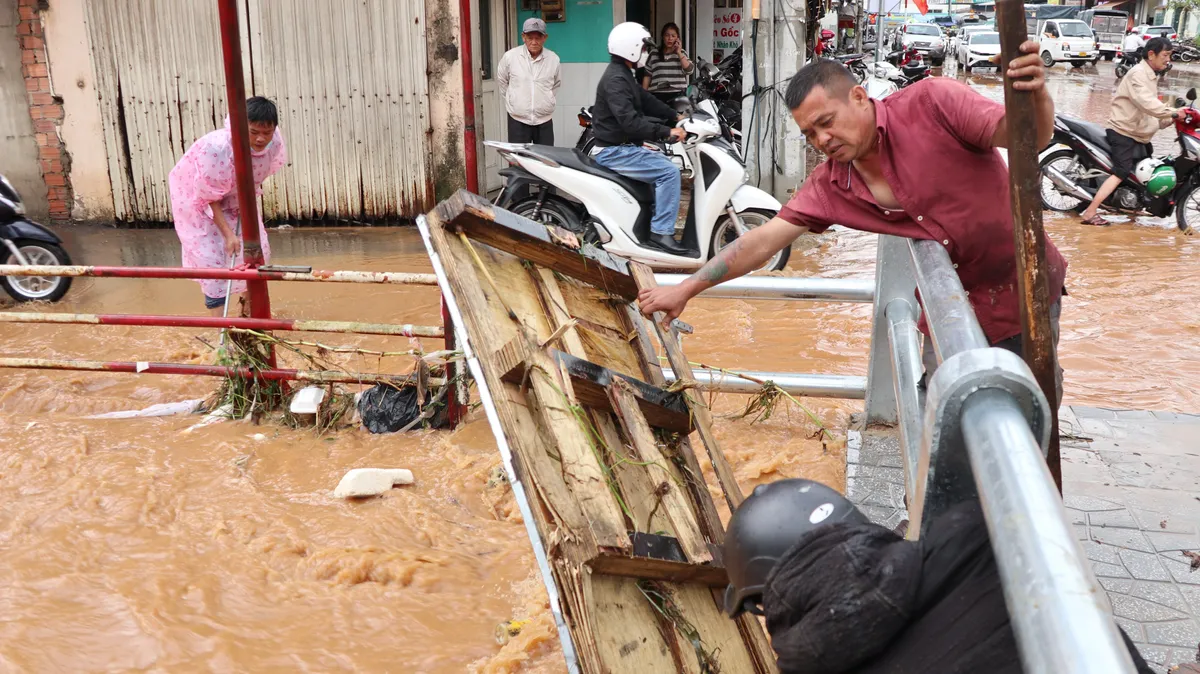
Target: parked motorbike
[902, 68]
[1078, 161]
[566, 188]
[28, 243]
[1185, 51]
[856, 63]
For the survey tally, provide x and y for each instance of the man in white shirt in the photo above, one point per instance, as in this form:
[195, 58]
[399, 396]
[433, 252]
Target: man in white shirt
[529, 78]
[1132, 44]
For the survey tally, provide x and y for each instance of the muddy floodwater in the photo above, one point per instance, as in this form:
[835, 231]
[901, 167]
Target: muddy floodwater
[134, 545]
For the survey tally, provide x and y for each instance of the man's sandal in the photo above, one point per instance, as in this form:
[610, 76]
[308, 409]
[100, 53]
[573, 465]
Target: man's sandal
[1097, 220]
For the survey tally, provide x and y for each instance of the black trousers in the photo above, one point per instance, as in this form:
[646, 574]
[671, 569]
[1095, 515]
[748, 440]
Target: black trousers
[541, 134]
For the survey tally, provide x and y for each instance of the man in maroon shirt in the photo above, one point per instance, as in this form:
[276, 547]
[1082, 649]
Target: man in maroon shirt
[921, 164]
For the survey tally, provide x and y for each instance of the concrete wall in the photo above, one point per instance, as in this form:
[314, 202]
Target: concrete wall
[443, 52]
[18, 147]
[74, 81]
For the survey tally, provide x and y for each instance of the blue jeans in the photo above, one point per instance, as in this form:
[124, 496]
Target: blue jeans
[635, 161]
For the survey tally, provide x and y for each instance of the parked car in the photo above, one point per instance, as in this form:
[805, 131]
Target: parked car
[978, 50]
[957, 41]
[1109, 27]
[920, 36]
[1146, 32]
[1067, 40]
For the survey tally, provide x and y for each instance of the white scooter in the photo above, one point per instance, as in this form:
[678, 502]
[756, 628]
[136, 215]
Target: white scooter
[565, 188]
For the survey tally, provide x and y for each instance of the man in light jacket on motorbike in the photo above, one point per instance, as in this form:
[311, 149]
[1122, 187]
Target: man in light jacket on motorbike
[625, 116]
[1136, 116]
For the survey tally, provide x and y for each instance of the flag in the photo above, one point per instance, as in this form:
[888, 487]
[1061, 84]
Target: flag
[922, 5]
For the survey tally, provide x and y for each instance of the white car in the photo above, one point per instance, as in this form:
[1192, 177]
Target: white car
[978, 50]
[920, 36]
[957, 41]
[1146, 32]
[1068, 40]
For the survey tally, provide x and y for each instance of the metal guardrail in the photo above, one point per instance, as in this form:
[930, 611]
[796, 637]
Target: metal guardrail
[978, 430]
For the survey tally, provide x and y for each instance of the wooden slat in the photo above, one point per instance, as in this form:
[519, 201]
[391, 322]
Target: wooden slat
[648, 568]
[531, 241]
[673, 500]
[683, 372]
[590, 383]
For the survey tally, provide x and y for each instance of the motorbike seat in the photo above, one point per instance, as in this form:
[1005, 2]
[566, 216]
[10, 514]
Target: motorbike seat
[574, 159]
[1092, 133]
[912, 71]
[847, 57]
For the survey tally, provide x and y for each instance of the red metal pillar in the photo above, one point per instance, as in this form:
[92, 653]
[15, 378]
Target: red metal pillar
[235, 93]
[465, 44]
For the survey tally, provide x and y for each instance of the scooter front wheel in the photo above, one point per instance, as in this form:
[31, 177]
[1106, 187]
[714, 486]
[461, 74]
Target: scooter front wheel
[1187, 211]
[725, 234]
[36, 288]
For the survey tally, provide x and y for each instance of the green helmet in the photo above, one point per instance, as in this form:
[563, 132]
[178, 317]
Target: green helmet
[1158, 177]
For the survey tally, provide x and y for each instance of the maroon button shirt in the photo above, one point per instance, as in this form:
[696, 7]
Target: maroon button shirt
[935, 149]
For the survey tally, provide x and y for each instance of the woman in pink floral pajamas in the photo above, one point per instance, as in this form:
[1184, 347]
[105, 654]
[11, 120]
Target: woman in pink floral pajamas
[204, 197]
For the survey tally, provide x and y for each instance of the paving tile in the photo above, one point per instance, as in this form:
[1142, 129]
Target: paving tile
[1165, 594]
[1181, 633]
[1089, 503]
[1099, 429]
[1164, 541]
[1135, 415]
[1076, 516]
[1179, 568]
[1132, 608]
[1156, 520]
[1155, 656]
[1081, 532]
[1144, 565]
[1130, 539]
[1111, 518]
[893, 475]
[1133, 628]
[1192, 594]
[1179, 656]
[1103, 570]
[1093, 412]
[1122, 585]
[1100, 553]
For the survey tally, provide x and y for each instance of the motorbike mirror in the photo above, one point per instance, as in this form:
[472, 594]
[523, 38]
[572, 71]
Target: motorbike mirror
[1179, 103]
[1191, 94]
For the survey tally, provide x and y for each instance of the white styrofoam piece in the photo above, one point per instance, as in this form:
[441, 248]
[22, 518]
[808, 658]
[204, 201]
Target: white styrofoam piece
[371, 481]
[307, 400]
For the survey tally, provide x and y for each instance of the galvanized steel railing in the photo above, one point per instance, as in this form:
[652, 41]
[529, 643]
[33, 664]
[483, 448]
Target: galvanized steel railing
[978, 429]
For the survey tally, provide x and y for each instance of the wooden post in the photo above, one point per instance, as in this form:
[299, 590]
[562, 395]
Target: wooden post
[1033, 276]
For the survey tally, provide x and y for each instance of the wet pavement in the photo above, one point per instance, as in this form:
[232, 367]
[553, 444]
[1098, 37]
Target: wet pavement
[132, 545]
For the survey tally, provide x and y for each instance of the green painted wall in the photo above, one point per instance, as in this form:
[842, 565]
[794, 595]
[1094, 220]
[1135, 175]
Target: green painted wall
[583, 37]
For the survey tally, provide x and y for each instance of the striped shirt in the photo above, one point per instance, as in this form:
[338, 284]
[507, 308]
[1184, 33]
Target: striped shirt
[666, 73]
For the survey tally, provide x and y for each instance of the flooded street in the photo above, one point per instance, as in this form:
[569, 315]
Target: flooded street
[132, 545]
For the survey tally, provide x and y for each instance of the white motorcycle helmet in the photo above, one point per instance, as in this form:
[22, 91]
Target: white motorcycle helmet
[1158, 178]
[631, 41]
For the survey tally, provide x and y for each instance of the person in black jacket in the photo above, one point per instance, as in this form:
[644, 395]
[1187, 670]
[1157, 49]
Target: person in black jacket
[841, 594]
[625, 116]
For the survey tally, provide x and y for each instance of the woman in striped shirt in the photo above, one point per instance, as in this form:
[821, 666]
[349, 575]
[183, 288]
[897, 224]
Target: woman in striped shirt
[668, 68]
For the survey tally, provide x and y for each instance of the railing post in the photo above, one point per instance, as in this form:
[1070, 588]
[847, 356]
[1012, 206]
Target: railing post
[894, 279]
[456, 371]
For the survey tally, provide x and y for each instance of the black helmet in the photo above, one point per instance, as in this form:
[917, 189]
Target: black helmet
[766, 525]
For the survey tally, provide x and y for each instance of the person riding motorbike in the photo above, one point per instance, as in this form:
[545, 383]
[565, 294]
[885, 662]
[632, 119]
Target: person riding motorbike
[1132, 44]
[841, 594]
[624, 117]
[1136, 116]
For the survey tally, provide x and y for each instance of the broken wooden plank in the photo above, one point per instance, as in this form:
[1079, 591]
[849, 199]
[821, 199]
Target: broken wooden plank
[649, 568]
[683, 372]
[591, 381]
[554, 402]
[531, 241]
[672, 496]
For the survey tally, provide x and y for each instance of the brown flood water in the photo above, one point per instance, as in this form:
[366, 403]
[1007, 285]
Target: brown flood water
[129, 545]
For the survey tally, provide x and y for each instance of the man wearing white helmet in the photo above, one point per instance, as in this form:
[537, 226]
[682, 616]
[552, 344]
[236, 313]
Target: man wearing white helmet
[625, 116]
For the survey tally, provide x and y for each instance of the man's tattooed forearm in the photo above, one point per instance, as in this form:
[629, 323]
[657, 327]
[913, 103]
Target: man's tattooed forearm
[717, 268]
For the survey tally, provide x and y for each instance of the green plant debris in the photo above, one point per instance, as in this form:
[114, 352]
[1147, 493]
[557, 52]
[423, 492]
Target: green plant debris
[660, 598]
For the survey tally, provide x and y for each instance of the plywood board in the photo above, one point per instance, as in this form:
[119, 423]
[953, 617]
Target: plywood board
[595, 482]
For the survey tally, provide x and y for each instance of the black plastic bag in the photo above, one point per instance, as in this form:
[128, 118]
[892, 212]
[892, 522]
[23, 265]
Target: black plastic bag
[388, 409]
